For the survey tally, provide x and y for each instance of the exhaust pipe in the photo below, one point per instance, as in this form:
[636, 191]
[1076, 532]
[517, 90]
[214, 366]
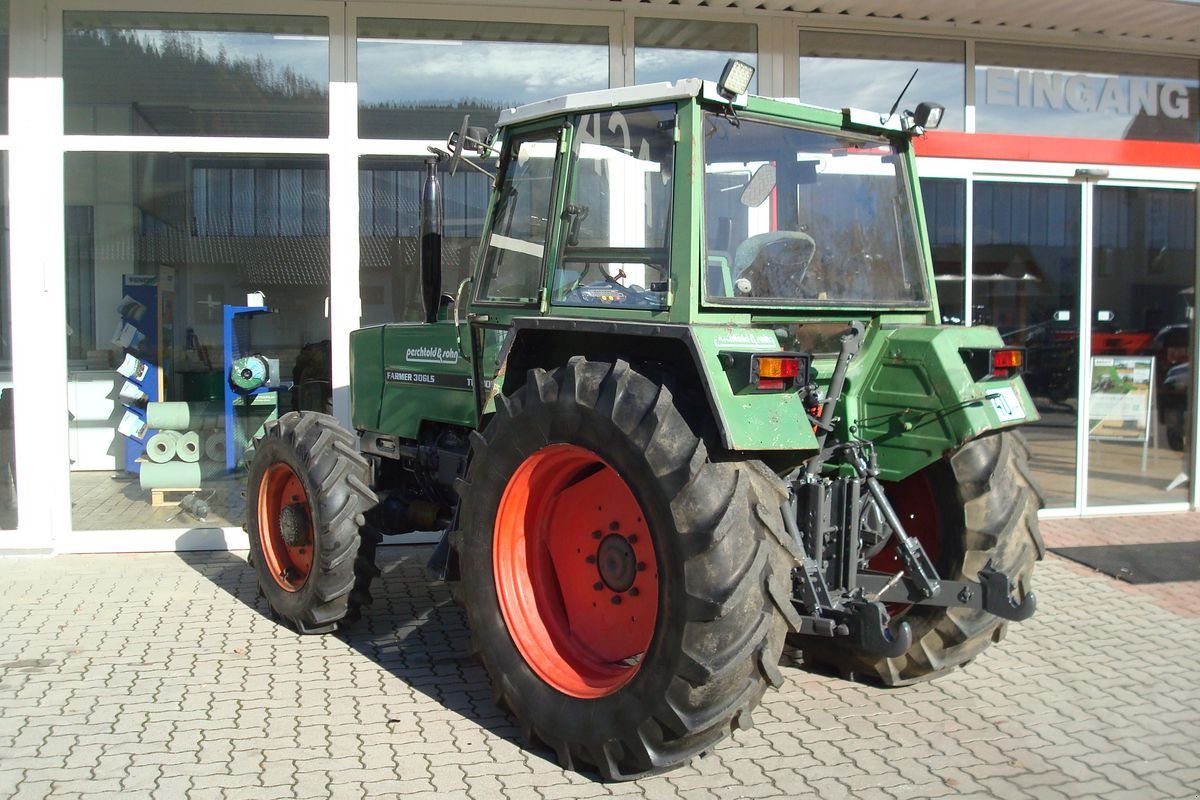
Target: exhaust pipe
[431, 241]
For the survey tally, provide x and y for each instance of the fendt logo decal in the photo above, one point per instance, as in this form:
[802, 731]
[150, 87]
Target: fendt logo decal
[431, 355]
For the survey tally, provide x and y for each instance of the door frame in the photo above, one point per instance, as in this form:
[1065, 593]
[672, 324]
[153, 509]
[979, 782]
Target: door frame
[1088, 178]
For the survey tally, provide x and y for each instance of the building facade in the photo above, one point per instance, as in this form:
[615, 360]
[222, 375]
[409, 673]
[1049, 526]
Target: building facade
[188, 184]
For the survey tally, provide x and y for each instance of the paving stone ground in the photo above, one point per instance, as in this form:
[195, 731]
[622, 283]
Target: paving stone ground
[162, 676]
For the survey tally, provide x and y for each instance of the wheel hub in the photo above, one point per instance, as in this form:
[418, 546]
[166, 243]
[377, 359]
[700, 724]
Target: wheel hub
[293, 525]
[616, 562]
[575, 570]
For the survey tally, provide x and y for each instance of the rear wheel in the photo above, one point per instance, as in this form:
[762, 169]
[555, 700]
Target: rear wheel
[626, 594]
[977, 505]
[308, 489]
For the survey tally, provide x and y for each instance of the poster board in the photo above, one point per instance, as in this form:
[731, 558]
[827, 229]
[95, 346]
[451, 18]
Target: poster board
[1120, 400]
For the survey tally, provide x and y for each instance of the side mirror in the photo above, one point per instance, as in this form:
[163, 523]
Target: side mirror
[467, 137]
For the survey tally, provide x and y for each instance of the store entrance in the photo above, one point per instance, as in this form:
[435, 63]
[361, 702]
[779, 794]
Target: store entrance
[1098, 283]
[1026, 269]
[1140, 404]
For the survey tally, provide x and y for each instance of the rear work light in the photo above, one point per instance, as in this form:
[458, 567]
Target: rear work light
[988, 363]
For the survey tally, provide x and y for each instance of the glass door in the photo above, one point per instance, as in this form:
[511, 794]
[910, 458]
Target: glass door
[1025, 279]
[1141, 404]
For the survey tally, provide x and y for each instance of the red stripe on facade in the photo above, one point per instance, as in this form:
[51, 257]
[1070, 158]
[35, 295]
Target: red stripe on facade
[1007, 147]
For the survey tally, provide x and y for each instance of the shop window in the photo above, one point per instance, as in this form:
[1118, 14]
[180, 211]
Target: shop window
[195, 74]
[257, 201]
[8, 455]
[673, 49]
[4, 5]
[1142, 406]
[389, 229]
[417, 78]
[1025, 282]
[945, 202]
[869, 72]
[170, 253]
[1085, 93]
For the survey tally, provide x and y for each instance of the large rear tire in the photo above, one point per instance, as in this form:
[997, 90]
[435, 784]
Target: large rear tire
[977, 505]
[308, 488]
[626, 595]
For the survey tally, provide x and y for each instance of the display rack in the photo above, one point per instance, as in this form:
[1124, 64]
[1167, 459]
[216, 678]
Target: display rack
[245, 411]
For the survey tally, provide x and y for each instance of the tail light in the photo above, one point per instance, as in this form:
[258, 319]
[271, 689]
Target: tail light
[1001, 362]
[775, 371]
[766, 372]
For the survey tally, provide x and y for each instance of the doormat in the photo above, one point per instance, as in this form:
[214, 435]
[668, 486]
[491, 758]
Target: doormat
[1140, 563]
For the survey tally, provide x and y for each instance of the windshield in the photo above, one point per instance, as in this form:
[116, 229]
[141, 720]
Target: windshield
[800, 217]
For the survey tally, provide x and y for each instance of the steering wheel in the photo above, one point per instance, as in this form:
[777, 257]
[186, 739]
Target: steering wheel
[773, 264]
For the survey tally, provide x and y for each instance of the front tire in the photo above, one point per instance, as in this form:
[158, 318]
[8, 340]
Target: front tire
[977, 505]
[308, 488]
[625, 594]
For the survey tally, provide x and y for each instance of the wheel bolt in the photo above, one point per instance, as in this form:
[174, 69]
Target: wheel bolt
[590, 559]
[596, 534]
[616, 599]
[614, 525]
[598, 586]
[632, 538]
[633, 591]
[641, 566]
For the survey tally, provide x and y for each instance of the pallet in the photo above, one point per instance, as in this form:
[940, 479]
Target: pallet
[169, 498]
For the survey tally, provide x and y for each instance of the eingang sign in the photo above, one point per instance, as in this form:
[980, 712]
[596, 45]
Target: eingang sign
[1085, 94]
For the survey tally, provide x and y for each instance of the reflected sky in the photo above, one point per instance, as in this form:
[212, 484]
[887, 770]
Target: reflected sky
[305, 55]
[874, 85]
[655, 64]
[497, 72]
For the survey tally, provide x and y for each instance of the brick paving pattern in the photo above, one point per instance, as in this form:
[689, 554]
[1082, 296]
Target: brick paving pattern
[161, 676]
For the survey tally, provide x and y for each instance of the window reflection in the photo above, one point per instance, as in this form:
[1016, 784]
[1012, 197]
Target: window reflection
[163, 252]
[417, 78]
[673, 49]
[1060, 92]
[389, 227]
[839, 70]
[1026, 284]
[8, 455]
[1144, 262]
[195, 74]
[945, 216]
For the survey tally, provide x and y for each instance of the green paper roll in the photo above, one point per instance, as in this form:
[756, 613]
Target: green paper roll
[161, 447]
[188, 447]
[214, 447]
[180, 416]
[171, 475]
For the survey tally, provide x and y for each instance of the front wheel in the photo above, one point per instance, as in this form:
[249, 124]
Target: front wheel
[625, 594]
[308, 488]
[977, 505]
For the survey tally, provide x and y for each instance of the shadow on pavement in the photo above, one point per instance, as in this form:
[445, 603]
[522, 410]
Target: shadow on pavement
[413, 629]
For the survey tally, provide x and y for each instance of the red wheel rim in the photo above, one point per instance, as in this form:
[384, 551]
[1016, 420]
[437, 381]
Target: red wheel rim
[285, 528]
[575, 571]
[916, 504]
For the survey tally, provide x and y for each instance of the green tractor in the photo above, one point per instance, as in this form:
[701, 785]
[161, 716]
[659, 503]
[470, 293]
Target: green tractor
[693, 402]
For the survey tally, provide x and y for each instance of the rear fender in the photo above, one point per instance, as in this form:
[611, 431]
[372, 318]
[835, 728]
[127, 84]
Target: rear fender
[909, 391]
[688, 358]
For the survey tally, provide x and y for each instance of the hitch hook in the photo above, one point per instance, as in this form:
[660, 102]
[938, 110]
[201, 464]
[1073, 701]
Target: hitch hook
[870, 631]
[997, 596]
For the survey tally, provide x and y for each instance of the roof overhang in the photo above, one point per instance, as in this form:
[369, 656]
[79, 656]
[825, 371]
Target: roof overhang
[1163, 26]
